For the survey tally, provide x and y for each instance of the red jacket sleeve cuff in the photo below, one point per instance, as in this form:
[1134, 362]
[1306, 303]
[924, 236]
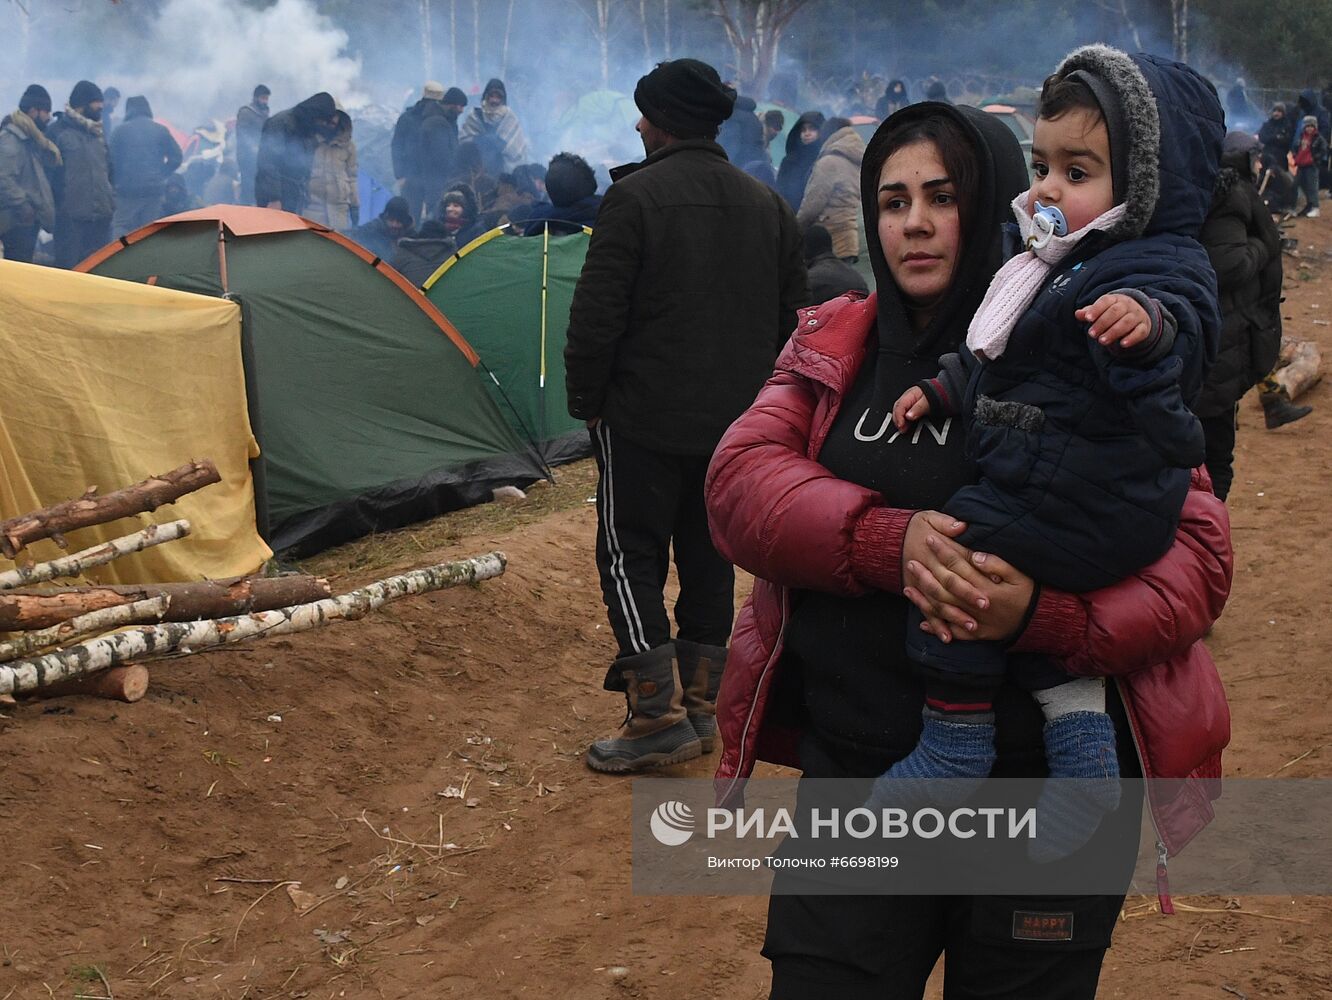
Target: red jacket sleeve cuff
[1058, 627]
[876, 548]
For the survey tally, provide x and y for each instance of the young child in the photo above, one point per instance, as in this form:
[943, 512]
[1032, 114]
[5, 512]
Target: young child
[1074, 381]
[1310, 151]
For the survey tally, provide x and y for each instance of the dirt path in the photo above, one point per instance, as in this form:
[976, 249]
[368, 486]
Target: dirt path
[124, 823]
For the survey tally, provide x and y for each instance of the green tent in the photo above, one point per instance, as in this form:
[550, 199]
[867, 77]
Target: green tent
[367, 404]
[600, 125]
[509, 296]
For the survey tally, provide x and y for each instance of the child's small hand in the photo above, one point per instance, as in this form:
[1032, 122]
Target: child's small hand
[910, 406]
[1116, 319]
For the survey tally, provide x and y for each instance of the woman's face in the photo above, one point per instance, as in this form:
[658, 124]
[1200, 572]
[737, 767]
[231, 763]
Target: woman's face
[808, 133]
[919, 226]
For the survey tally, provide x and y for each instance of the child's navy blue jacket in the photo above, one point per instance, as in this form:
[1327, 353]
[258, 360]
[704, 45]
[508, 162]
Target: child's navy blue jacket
[1084, 457]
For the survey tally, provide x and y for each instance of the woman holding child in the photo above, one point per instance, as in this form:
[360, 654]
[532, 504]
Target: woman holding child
[837, 513]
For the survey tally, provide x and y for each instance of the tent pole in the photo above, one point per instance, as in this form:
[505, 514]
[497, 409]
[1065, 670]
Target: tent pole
[545, 262]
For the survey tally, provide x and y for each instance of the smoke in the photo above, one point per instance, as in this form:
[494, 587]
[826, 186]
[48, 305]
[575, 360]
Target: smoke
[202, 52]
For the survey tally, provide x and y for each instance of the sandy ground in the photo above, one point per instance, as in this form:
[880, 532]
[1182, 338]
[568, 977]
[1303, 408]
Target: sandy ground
[150, 844]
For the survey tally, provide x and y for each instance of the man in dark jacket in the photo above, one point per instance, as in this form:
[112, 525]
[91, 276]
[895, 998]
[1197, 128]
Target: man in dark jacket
[829, 275]
[425, 140]
[144, 155]
[286, 152]
[26, 202]
[82, 186]
[691, 283]
[249, 130]
[380, 235]
[574, 203]
[1244, 246]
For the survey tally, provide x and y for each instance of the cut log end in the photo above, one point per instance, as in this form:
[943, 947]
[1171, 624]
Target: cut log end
[128, 683]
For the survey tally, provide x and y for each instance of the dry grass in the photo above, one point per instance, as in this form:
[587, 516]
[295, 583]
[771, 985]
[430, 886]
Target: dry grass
[573, 484]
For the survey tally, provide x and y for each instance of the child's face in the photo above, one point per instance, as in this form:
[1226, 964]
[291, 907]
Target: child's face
[1071, 159]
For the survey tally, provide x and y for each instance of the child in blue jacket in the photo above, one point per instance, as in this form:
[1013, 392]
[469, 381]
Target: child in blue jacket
[1074, 384]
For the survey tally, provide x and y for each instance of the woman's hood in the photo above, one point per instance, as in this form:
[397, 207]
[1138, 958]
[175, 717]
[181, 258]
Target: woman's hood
[814, 118]
[1002, 175]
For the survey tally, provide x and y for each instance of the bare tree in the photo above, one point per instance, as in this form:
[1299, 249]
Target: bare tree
[754, 28]
[1120, 7]
[1179, 17]
[647, 42]
[453, 40]
[599, 16]
[476, 41]
[508, 30]
[427, 56]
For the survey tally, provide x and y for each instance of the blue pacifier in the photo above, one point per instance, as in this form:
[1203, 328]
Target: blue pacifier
[1047, 222]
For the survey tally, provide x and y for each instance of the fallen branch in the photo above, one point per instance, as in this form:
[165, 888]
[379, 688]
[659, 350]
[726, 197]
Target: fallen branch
[189, 601]
[94, 623]
[98, 555]
[91, 509]
[154, 640]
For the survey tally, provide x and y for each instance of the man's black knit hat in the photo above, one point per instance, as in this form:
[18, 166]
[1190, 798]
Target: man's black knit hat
[454, 96]
[35, 97]
[84, 93]
[686, 98]
[397, 208]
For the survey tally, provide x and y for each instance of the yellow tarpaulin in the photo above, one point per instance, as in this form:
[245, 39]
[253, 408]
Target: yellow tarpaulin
[108, 382]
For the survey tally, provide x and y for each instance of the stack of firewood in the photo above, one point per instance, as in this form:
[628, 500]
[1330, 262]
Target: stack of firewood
[75, 640]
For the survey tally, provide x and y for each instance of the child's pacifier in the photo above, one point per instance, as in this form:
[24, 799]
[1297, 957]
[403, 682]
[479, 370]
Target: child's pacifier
[1047, 222]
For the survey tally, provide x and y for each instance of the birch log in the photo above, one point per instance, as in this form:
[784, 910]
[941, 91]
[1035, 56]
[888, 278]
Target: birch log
[92, 509]
[128, 683]
[1301, 373]
[93, 623]
[154, 640]
[98, 555]
[189, 601]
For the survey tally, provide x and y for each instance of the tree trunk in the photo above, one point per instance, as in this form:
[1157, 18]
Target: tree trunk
[666, 27]
[93, 623]
[1179, 15]
[189, 601]
[128, 684]
[154, 640]
[98, 555]
[647, 42]
[1301, 374]
[453, 42]
[427, 55]
[476, 42]
[508, 29]
[603, 23]
[91, 509]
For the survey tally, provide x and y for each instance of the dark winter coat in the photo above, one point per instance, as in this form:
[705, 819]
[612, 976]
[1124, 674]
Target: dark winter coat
[741, 136]
[144, 153]
[25, 191]
[1309, 104]
[286, 153]
[436, 145]
[1081, 451]
[249, 131]
[403, 145]
[1244, 246]
[692, 279]
[830, 276]
[82, 185]
[798, 163]
[1276, 136]
[376, 238]
[564, 219]
[420, 256]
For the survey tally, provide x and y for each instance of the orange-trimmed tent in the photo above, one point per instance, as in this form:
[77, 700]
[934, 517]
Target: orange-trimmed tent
[366, 401]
